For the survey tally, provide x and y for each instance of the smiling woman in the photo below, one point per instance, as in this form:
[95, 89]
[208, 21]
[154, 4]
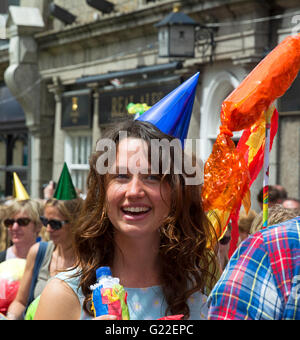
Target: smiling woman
[137, 201]
[149, 228]
[59, 253]
[23, 225]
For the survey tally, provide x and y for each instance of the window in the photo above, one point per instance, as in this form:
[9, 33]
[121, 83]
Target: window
[78, 149]
[13, 158]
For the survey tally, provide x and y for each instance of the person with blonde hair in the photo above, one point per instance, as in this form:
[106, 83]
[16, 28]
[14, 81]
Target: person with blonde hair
[276, 214]
[59, 219]
[46, 259]
[22, 220]
[245, 222]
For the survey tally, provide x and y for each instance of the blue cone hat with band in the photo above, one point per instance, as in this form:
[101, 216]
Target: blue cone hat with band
[172, 114]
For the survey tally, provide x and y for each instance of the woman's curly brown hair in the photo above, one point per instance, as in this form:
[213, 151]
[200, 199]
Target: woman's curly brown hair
[187, 263]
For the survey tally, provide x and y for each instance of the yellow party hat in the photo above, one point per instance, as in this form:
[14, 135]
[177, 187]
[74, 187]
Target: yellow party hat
[19, 192]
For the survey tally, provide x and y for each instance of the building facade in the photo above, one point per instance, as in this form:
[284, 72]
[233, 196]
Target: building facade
[13, 129]
[74, 80]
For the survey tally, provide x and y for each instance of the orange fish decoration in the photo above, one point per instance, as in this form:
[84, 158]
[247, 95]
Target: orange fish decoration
[230, 170]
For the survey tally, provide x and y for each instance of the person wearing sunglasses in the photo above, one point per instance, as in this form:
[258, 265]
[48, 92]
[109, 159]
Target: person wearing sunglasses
[22, 221]
[58, 219]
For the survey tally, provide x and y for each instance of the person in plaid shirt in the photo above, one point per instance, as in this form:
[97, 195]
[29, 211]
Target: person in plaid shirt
[262, 278]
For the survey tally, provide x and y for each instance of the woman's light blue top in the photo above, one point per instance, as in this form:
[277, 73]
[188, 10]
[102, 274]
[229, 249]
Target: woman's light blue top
[143, 303]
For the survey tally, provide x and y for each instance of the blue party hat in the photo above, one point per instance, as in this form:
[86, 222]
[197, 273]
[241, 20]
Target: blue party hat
[172, 114]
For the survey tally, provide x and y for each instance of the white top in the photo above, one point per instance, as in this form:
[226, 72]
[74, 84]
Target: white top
[143, 303]
[10, 254]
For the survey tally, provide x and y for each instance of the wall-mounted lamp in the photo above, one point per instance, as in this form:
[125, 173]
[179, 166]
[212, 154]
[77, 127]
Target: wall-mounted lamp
[61, 14]
[101, 5]
[178, 35]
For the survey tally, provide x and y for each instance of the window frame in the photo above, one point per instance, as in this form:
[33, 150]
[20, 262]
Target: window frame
[78, 167]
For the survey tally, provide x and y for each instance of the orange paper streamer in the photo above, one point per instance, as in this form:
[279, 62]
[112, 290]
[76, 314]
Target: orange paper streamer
[229, 172]
[252, 144]
[226, 182]
[226, 171]
[269, 80]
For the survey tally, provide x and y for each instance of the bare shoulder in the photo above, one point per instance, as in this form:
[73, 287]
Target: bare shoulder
[33, 251]
[31, 256]
[58, 302]
[59, 286]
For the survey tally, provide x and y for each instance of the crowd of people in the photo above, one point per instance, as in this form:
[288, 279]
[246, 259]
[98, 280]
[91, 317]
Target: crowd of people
[144, 217]
[153, 233]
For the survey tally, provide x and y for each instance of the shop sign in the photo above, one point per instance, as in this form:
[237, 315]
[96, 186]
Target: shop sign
[113, 105]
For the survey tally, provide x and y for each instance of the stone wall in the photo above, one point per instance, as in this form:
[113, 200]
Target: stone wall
[289, 153]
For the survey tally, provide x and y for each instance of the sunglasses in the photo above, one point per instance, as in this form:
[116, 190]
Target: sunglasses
[54, 224]
[22, 222]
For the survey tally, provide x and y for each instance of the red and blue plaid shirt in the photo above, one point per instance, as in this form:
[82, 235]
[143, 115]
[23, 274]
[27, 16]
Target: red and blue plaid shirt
[262, 278]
